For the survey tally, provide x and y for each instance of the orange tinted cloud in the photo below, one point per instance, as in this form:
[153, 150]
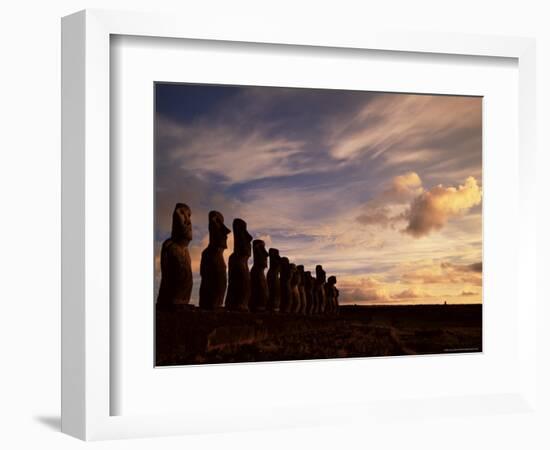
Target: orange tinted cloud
[411, 293]
[380, 210]
[432, 209]
[446, 273]
[407, 184]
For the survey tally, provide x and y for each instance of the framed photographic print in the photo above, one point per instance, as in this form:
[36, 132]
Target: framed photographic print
[289, 224]
[383, 189]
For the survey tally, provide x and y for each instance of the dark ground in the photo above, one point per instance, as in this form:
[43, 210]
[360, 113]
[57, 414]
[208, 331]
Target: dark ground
[192, 336]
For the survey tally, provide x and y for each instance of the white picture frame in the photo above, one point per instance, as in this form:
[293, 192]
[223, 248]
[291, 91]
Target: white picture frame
[86, 220]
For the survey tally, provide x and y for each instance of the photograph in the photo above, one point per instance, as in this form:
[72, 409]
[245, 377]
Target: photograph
[297, 223]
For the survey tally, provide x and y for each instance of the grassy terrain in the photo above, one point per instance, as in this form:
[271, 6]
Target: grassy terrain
[192, 336]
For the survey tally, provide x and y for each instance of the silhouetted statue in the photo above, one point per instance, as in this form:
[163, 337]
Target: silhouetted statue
[286, 292]
[308, 288]
[273, 280]
[213, 268]
[335, 293]
[258, 282]
[320, 288]
[295, 293]
[175, 263]
[301, 289]
[238, 289]
[330, 294]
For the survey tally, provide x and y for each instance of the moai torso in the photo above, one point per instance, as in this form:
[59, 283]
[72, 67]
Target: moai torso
[286, 292]
[320, 283]
[330, 294]
[295, 293]
[258, 281]
[308, 288]
[301, 289]
[273, 280]
[213, 268]
[336, 301]
[238, 288]
[175, 263]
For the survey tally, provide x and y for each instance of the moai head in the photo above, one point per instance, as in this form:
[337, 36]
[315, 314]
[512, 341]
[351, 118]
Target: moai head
[321, 274]
[285, 268]
[308, 280]
[260, 253]
[181, 223]
[217, 230]
[242, 238]
[331, 280]
[274, 259]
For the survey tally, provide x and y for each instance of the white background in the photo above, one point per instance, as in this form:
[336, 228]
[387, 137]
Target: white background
[30, 186]
[141, 389]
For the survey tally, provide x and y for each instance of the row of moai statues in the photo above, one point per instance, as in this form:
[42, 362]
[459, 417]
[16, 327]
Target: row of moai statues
[287, 288]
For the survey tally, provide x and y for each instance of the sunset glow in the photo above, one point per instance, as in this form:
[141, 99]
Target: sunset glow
[384, 190]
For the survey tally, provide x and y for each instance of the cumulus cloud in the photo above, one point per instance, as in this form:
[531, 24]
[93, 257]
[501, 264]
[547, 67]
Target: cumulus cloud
[386, 209]
[468, 293]
[372, 289]
[432, 209]
[364, 289]
[404, 186]
[474, 267]
[423, 211]
[358, 295]
[376, 216]
[411, 293]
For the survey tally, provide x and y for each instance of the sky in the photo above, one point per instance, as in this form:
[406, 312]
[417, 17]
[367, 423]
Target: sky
[383, 189]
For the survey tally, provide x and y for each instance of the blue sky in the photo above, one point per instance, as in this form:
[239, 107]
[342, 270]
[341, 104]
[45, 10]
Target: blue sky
[384, 190]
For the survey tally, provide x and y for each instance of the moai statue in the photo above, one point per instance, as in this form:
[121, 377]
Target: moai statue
[286, 292]
[175, 263]
[301, 289]
[336, 301]
[238, 288]
[273, 280]
[295, 293]
[308, 288]
[330, 294]
[258, 282]
[320, 284]
[316, 309]
[213, 268]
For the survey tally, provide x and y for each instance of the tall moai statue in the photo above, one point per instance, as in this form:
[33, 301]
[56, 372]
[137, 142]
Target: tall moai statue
[320, 283]
[332, 294]
[175, 263]
[258, 281]
[295, 292]
[329, 295]
[286, 292]
[213, 269]
[308, 288]
[301, 289]
[238, 289]
[316, 298]
[273, 280]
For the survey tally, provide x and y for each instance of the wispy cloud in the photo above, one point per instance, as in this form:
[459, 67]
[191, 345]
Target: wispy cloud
[398, 123]
[229, 153]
